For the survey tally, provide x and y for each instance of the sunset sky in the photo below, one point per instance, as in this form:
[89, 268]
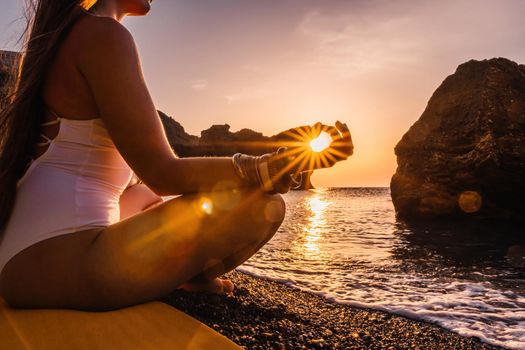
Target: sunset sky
[271, 65]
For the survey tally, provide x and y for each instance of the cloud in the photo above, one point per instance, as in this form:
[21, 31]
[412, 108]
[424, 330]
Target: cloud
[199, 84]
[382, 34]
[232, 98]
[350, 42]
[252, 68]
[255, 92]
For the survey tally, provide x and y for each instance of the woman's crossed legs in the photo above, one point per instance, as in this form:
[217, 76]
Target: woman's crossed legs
[188, 239]
[140, 197]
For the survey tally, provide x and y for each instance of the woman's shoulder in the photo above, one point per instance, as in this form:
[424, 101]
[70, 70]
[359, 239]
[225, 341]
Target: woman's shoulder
[99, 41]
[95, 32]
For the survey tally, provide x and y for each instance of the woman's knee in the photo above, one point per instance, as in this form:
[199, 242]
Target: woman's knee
[234, 217]
[276, 209]
[267, 215]
[243, 217]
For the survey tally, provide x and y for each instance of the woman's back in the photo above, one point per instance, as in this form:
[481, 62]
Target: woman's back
[65, 90]
[77, 175]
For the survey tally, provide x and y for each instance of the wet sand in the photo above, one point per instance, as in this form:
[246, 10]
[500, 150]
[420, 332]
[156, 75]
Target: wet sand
[263, 314]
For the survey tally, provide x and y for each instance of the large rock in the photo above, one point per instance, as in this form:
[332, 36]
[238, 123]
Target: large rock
[465, 156]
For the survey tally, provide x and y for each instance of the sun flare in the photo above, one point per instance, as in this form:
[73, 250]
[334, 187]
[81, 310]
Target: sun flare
[321, 142]
[206, 205]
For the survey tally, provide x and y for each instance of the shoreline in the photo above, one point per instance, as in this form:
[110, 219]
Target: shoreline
[264, 314]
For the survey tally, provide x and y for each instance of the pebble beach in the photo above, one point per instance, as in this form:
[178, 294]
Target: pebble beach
[264, 314]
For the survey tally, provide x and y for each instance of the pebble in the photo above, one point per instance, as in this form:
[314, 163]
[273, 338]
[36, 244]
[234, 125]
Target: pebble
[291, 319]
[316, 341]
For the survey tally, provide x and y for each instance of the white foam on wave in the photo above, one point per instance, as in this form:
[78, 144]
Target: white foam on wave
[471, 309]
[345, 246]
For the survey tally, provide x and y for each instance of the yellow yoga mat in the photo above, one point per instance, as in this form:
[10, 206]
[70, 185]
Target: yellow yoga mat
[148, 326]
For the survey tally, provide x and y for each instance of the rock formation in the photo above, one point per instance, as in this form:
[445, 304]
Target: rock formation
[465, 156]
[219, 141]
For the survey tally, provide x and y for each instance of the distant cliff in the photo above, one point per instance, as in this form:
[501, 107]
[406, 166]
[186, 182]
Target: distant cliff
[216, 141]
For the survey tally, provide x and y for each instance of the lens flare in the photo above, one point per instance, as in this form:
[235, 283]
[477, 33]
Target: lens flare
[470, 201]
[206, 205]
[321, 142]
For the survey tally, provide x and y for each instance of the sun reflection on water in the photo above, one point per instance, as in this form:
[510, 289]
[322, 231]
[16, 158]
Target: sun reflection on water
[347, 245]
[316, 222]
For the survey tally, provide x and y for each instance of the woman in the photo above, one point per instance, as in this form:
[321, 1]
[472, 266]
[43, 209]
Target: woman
[77, 230]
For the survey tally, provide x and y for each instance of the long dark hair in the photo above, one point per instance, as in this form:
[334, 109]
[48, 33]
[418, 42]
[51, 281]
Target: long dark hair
[22, 110]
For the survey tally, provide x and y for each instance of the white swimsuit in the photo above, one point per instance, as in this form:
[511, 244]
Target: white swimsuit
[74, 185]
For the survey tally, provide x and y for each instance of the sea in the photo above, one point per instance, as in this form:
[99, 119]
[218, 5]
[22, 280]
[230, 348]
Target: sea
[346, 245]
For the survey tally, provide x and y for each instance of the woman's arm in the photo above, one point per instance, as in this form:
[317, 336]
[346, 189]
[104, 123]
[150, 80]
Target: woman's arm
[110, 64]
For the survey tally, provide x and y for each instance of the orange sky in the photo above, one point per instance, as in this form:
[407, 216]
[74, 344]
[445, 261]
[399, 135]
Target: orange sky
[272, 65]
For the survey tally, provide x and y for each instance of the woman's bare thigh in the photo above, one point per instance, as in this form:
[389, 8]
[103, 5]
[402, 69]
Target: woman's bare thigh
[144, 256]
[153, 252]
[38, 275]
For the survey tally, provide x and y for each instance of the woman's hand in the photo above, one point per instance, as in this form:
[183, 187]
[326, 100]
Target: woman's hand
[341, 147]
[300, 155]
[296, 137]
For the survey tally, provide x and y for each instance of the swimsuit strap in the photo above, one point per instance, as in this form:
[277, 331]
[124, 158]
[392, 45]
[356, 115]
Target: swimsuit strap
[54, 114]
[58, 117]
[46, 142]
[52, 122]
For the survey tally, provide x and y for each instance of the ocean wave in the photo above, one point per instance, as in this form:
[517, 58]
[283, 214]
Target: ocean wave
[346, 246]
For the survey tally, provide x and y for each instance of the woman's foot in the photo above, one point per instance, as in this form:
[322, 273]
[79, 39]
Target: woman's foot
[216, 285]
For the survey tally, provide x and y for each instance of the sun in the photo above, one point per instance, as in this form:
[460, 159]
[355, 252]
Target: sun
[320, 143]
[306, 149]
